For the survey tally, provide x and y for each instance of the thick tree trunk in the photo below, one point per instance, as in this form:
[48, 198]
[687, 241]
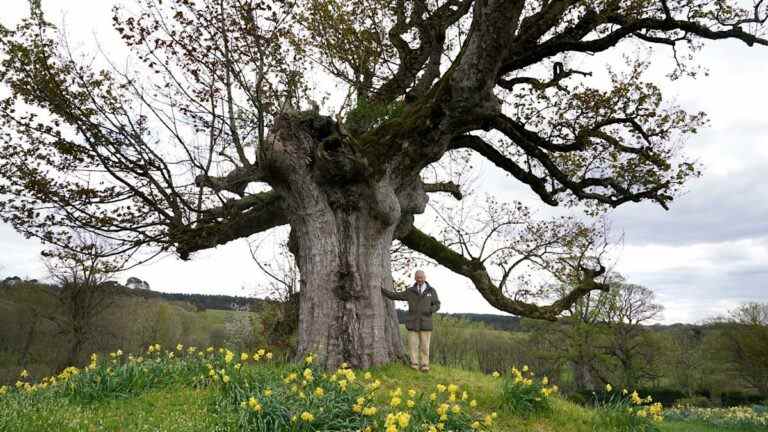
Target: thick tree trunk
[344, 261]
[342, 226]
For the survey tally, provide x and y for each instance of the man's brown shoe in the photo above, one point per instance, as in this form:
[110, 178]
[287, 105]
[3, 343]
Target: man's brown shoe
[425, 368]
[414, 366]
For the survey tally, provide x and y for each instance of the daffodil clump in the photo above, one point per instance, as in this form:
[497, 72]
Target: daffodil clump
[627, 411]
[734, 417]
[117, 375]
[301, 397]
[523, 393]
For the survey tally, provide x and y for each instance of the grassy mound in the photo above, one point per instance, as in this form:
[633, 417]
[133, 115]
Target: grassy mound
[217, 390]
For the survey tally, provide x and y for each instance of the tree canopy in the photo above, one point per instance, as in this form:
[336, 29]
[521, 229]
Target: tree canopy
[215, 132]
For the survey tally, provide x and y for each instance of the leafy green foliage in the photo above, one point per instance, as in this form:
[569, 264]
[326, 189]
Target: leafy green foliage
[366, 115]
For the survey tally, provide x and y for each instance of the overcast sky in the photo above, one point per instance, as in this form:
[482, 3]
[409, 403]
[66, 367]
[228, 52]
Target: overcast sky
[705, 255]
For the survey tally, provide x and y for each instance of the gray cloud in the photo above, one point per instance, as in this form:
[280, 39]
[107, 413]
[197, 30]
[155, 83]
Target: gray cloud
[716, 208]
[695, 294]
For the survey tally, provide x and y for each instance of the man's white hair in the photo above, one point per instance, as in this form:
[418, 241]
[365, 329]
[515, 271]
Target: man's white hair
[419, 271]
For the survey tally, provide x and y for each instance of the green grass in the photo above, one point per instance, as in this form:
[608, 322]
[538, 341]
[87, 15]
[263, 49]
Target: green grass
[172, 409]
[216, 317]
[174, 405]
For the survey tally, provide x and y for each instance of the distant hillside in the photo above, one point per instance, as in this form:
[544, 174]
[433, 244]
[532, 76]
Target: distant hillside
[220, 302]
[200, 301]
[498, 322]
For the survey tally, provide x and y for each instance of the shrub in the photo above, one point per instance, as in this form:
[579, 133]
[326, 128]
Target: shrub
[695, 401]
[277, 323]
[737, 398]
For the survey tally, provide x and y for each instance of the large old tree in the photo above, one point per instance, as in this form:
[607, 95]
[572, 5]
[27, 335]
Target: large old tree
[209, 135]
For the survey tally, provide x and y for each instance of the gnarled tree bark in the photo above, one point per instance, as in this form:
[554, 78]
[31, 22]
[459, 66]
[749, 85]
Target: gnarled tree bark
[342, 223]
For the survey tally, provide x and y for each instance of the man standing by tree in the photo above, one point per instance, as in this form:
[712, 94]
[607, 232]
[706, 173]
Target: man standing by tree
[422, 303]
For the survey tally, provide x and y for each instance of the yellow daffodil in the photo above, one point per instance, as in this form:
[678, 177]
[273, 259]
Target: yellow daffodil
[403, 419]
[254, 404]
